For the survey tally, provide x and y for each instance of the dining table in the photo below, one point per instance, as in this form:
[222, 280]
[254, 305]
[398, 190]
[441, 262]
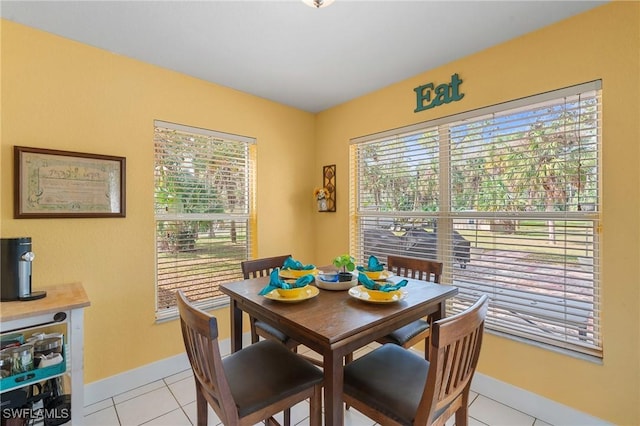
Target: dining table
[334, 323]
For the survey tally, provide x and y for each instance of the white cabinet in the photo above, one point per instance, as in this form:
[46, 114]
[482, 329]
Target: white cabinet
[61, 310]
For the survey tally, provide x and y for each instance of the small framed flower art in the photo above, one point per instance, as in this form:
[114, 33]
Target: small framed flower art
[320, 195]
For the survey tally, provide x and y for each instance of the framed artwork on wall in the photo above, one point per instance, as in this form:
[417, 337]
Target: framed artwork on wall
[329, 182]
[63, 184]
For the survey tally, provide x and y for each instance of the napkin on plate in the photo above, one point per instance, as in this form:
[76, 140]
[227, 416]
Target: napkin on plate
[373, 265]
[381, 286]
[290, 263]
[275, 282]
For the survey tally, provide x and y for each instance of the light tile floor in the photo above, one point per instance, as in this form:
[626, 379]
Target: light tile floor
[171, 402]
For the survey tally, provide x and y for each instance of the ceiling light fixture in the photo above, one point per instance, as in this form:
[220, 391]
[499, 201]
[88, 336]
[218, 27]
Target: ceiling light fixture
[318, 3]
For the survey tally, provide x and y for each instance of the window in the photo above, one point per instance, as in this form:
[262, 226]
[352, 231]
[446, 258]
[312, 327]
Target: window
[507, 197]
[203, 193]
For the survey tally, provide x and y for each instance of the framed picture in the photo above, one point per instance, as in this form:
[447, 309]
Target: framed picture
[64, 184]
[329, 182]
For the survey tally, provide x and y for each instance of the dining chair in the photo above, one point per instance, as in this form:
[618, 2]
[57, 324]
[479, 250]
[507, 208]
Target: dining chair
[248, 386]
[394, 386]
[420, 269]
[262, 268]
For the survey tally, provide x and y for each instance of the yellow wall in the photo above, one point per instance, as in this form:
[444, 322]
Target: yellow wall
[63, 95]
[60, 94]
[601, 44]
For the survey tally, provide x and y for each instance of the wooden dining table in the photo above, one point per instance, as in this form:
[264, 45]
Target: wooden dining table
[334, 323]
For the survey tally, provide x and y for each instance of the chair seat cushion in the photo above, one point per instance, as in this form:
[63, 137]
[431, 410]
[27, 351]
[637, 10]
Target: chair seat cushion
[263, 328]
[390, 379]
[266, 372]
[406, 333]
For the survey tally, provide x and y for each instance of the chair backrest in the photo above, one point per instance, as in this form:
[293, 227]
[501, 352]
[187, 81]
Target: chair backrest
[200, 335]
[261, 267]
[419, 269]
[454, 351]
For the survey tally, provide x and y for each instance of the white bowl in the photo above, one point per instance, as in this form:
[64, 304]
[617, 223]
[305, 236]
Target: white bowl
[334, 285]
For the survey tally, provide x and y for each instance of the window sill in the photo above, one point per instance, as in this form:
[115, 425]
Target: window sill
[171, 314]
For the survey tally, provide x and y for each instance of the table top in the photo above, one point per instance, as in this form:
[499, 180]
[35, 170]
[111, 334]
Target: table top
[334, 316]
[60, 297]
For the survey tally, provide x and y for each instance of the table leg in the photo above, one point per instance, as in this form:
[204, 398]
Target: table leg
[441, 312]
[333, 385]
[236, 326]
[433, 317]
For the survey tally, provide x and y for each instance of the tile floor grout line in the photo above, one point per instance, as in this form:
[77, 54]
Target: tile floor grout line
[138, 387]
[113, 402]
[514, 409]
[180, 406]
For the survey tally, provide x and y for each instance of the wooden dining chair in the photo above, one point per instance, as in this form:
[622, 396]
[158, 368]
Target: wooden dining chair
[419, 269]
[394, 386]
[262, 268]
[250, 385]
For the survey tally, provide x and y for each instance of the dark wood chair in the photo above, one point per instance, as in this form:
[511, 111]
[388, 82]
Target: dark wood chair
[248, 386]
[262, 268]
[394, 386]
[412, 333]
[419, 269]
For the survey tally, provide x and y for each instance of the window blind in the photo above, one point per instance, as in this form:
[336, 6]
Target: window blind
[508, 198]
[203, 203]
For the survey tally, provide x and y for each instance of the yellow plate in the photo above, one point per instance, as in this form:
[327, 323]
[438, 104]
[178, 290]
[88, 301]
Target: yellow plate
[293, 273]
[311, 292]
[379, 276]
[360, 293]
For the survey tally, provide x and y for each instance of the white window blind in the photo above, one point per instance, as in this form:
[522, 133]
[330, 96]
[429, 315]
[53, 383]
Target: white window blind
[203, 193]
[507, 198]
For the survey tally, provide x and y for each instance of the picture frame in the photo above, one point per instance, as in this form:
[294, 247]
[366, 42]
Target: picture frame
[329, 182]
[65, 184]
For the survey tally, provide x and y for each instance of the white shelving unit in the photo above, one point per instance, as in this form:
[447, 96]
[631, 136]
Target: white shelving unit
[63, 306]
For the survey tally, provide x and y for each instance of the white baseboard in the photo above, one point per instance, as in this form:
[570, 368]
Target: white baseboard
[106, 388]
[529, 403]
[123, 382]
[532, 404]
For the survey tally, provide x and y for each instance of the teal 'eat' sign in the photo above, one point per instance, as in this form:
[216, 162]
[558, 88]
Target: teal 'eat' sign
[428, 97]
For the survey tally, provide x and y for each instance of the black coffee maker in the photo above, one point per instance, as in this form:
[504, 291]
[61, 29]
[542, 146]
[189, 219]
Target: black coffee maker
[15, 270]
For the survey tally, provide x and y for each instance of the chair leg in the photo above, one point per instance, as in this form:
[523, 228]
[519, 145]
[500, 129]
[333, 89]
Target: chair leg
[427, 342]
[287, 417]
[462, 415]
[254, 334]
[347, 359]
[271, 422]
[202, 407]
[315, 414]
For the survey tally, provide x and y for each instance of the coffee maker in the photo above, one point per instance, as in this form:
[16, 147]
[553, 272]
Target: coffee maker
[15, 270]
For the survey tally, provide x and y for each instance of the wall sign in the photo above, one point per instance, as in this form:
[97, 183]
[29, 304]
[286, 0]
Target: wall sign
[428, 96]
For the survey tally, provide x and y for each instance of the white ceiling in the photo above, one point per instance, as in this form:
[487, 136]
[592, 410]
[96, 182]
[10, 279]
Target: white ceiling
[285, 51]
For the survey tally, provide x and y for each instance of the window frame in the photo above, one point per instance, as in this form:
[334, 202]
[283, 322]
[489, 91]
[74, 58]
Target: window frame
[241, 222]
[444, 216]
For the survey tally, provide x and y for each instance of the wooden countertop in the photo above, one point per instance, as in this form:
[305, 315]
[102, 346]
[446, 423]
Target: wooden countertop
[61, 297]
